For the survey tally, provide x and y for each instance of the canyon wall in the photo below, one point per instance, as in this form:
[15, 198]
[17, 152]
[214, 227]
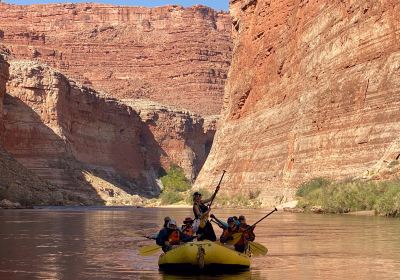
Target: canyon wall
[16, 182]
[95, 148]
[314, 90]
[3, 80]
[169, 54]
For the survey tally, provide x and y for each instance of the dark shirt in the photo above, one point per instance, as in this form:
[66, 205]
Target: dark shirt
[203, 209]
[164, 234]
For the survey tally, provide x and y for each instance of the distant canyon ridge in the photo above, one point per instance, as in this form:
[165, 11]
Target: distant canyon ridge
[173, 55]
[98, 101]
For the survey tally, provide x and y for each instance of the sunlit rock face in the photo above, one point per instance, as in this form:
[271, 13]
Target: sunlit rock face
[95, 148]
[314, 90]
[173, 55]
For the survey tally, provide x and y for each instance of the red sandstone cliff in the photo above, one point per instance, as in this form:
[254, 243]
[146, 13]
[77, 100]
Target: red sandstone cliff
[314, 90]
[94, 148]
[16, 182]
[4, 74]
[170, 54]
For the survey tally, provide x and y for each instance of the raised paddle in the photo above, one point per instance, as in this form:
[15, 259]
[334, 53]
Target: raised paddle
[236, 236]
[216, 189]
[204, 217]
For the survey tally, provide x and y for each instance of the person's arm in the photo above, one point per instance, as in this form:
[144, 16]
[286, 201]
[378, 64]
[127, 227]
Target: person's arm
[220, 223]
[225, 236]
[161, 237]
[212, 197]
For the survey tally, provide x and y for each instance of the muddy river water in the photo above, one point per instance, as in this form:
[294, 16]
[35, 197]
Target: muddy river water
[102, 243]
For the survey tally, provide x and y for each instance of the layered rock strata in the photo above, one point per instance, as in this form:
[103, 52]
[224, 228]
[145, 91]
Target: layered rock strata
[170, 54]
[95, 148]
[16, 182]
[4, 74]
[185, 138]
[314, 90]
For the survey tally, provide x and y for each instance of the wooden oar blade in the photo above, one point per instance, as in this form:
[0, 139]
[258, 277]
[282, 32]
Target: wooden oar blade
[235, 238]
[149, 250]
[258, 249]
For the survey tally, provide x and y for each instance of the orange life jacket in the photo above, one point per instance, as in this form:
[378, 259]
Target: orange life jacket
[188, 230]
[174, 237]
[227, 233]
[248, 235]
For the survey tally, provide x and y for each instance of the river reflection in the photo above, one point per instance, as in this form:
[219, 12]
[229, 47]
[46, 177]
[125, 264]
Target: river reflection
[101, 243]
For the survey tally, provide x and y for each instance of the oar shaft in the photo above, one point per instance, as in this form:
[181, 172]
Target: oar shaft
[264, 217]
[216, 190]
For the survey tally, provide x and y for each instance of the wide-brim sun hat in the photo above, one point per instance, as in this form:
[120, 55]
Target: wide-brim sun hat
[188, 220]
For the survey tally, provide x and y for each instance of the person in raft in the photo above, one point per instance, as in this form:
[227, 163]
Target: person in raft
[187, 227]
[170, 236]
[229, 231]
[201, 212]
[248, 235]
[154, 235]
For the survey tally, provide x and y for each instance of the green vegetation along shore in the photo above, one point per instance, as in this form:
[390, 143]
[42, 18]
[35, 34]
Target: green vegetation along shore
[383, 197]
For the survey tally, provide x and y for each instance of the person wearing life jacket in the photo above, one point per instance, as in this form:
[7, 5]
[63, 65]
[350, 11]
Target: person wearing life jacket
[236, 220]
[229, 231]
[187, 227]
[166, 221]
[247, 235]
[171, 235]
[201, 211]
[154, 235]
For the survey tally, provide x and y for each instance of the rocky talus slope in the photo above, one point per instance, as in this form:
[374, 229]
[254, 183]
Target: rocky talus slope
[314, 90]
[173, 55]
[96, 149]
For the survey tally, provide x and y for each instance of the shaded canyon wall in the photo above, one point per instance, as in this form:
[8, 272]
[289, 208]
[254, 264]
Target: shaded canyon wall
[4, 74]
[173, 55]
[314, 90]
[16, 182]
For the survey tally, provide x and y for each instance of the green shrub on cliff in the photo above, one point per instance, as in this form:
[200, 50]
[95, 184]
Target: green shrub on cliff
[175, 180]
[175, 183]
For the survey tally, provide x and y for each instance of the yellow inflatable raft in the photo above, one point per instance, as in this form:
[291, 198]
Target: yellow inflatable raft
[203, 255]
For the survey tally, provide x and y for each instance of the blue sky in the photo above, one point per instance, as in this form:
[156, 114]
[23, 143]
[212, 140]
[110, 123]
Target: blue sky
[216, 4]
